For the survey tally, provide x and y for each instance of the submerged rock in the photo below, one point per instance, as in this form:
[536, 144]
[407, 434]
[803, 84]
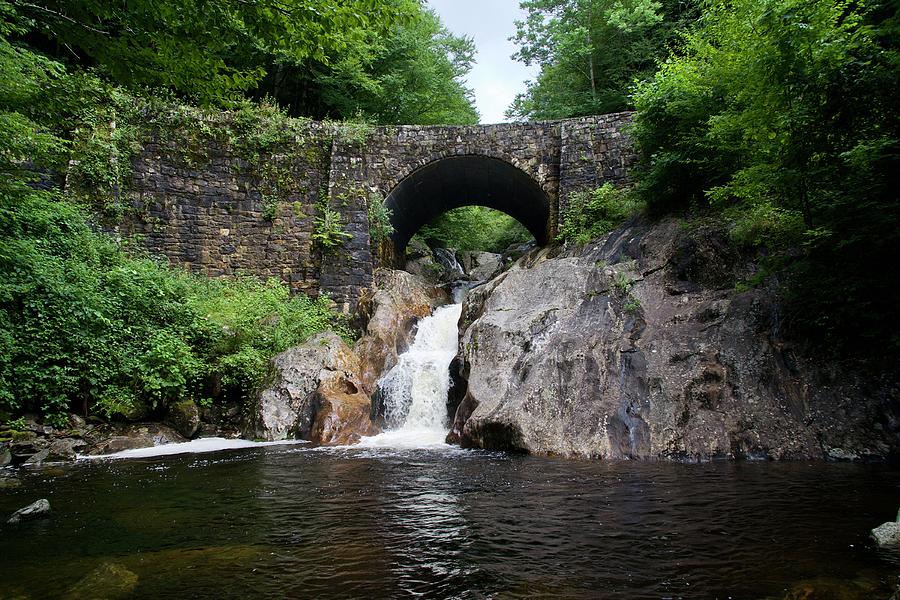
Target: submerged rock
[108, 581]
[35, 510]
[389, 312]
[316, 394]
[638, 346]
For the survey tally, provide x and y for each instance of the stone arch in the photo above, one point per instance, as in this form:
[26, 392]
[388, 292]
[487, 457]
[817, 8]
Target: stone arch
[468, 179]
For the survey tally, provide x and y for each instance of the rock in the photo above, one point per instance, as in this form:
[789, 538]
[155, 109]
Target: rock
[77, 422]
[888, 534]
[9, 483]
[39, 457]
[481, 266]
[184, 417]
[389, 312]
[63, 450]
[425, 268]
[451, 270]
[587, 352]
[417, 248]
[35, 510]
[108, 581]
[26, 445]
[321, 374]
[5, 455]
[344, 411]
[514, 252]
[110, 439]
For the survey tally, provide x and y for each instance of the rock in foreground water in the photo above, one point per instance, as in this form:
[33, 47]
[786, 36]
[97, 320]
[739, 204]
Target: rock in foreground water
[35, 510]
[888, 534]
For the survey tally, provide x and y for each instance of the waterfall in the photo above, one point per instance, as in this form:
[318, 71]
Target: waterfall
[415, 390]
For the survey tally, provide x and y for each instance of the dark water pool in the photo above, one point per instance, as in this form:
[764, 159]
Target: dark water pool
[288, 522]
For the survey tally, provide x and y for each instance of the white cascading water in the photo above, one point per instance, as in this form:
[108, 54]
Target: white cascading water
[415, 390]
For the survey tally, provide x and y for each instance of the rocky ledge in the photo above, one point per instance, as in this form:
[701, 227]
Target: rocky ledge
[639, 347]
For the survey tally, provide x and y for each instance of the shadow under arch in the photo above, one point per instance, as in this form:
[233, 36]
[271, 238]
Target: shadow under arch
[464, 180]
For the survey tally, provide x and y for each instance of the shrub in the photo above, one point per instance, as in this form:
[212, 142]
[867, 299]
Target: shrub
[593, 213]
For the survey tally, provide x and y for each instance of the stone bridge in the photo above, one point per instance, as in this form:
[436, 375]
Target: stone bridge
[218, 217]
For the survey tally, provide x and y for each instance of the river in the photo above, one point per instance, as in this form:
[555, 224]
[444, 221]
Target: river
[405, 515]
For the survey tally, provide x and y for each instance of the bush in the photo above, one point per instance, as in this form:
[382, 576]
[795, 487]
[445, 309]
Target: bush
[594, 213]
[85, 325]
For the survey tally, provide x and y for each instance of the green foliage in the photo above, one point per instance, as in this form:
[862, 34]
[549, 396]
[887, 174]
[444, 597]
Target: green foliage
[329, 231]
[82, 323]
[208, 51]
[16, 424]
[412, 75]
[782, 115]
[594, 213]
[380, 227]
[591, 51]
[474, 228]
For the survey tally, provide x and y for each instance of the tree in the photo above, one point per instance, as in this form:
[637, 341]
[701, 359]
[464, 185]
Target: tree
[196, 47]
[411, 75]
[590, 52]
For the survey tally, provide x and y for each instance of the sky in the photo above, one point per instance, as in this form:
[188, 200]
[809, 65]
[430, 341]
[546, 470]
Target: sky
[496, 78]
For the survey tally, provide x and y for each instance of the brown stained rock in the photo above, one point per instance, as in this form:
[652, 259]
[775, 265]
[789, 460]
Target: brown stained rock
[390, 311]
[344, 411]
[316, 395]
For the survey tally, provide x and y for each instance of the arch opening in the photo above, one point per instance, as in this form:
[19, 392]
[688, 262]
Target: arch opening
[457, 181]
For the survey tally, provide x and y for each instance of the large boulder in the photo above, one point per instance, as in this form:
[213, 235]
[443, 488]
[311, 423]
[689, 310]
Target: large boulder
[638, 346]
[389, 312]
[316, 394]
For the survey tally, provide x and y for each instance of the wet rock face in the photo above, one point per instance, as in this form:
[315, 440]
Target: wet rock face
[316, 395]
[639, 347]
[389, 312]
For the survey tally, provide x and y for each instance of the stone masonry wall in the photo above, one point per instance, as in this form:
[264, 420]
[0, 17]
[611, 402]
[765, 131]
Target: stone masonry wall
[219, 214]
[595, 150]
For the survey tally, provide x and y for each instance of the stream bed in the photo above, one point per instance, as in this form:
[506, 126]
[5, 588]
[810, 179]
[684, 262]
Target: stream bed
[440, 522]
